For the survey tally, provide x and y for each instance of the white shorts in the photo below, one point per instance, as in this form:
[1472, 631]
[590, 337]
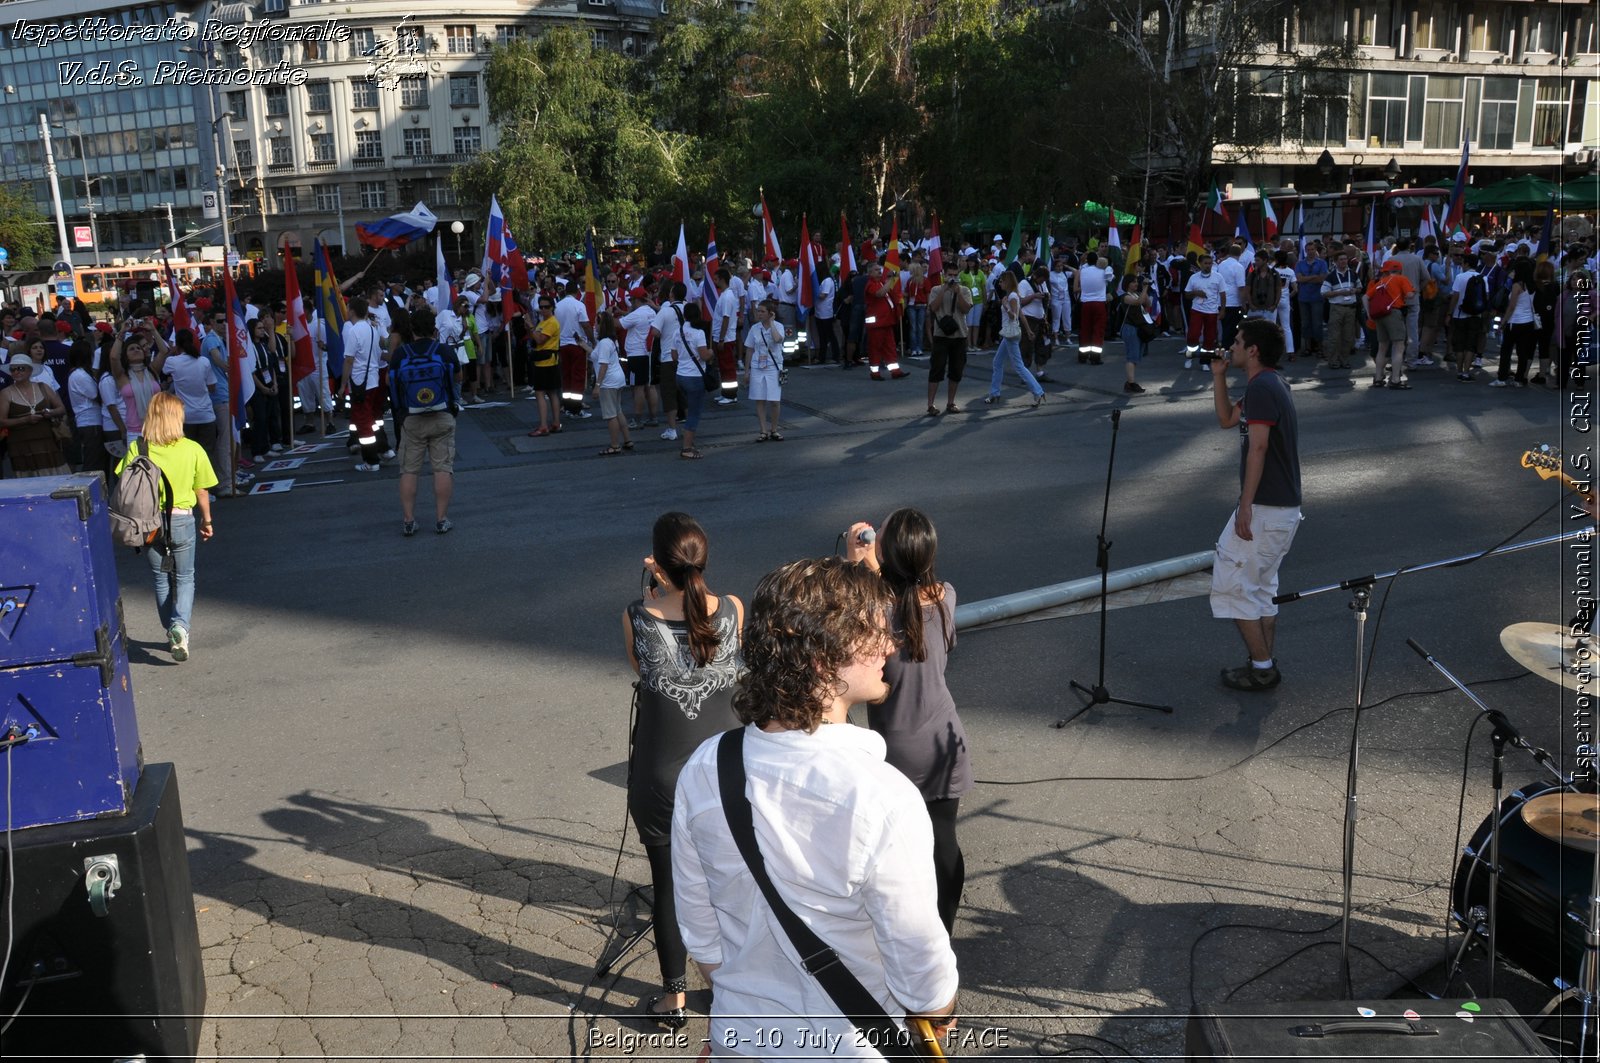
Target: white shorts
[1245, 575]
[764, 385]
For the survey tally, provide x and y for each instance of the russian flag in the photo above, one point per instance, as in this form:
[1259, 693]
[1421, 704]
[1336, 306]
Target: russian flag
[494, 245]
[397, 230]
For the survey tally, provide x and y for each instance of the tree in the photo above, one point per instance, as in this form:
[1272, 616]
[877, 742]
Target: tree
[574, 150]
[24, 232]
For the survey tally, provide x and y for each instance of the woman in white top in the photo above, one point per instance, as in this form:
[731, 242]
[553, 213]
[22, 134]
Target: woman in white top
[609, 380]
[83, 397]
[1522, 328]
[693, 356]
[113, 415]
[138, 382]
[1010, 350]
[763, 354]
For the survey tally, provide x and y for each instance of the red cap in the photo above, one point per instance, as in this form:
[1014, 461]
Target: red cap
[639, 293]
[790, 263]
[63, 327]
[1390, 266]
[202, 304]
[103, 326]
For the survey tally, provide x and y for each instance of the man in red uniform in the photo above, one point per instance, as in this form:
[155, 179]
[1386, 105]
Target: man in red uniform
[883, 314]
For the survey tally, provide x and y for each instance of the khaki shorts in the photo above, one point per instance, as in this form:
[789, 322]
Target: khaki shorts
[433, 434]
[1245, 575]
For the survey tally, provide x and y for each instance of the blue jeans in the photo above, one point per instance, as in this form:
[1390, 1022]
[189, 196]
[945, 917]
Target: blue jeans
[1010, 353]
[916, 321]
[693, 386]
[175, 590]
[1133, 347]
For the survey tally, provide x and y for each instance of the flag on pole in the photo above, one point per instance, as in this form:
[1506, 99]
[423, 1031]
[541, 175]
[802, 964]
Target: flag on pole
[180, 309]
[516, 266]
[1042, 241]
[511, 262]
[769, 232]
[1215, 203]
[708, 286]
[397, 230]
[1135, 251]
[1372, 232]
[1242, 229]
[241, 356]
[1425, 225]
[891, 262]
[808, 270]
[1547, 234]
[1197, 243]
[494, 245]
[444, 295]
[304, 360]
[847, 253]
[935, 249]
[594, 299]
[331, 312]
[1269, 217]
[1014, 247]
[680, 259]
[1456, 213]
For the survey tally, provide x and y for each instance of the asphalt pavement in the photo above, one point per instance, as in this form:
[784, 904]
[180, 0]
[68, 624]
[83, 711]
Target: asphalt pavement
[402, 759]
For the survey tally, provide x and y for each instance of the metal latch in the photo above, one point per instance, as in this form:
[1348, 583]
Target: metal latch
[102, 877]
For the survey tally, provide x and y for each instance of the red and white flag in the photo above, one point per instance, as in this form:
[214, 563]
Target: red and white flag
[769, 233]
[303, 362]
[680, 259]
[808, 268]
[935, 249]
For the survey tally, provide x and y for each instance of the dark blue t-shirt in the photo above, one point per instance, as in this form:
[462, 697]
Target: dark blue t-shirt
[1267, 401]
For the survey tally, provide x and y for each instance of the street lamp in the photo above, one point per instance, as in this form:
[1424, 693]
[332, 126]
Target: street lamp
[88, 195]
[1391, 172]
[458, 228]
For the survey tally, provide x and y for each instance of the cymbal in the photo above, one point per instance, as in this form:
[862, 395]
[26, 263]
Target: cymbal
[1571, 819]
[1549, 652]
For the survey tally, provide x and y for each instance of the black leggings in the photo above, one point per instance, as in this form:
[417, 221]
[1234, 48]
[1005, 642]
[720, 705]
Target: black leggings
[949, 866]
[670, 951]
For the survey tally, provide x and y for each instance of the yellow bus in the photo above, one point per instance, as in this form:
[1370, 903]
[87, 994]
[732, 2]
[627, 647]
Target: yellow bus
[101, 284]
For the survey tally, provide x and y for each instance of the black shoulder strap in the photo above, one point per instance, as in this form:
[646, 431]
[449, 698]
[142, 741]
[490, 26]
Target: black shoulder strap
[141, 449]
[842, 987]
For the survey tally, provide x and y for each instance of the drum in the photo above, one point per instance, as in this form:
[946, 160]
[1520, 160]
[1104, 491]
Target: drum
[1544, 892]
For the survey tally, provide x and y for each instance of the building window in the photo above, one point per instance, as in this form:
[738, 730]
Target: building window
[244, 156]
[281, 153]
[319, 98]
[1375, 28]
[374, 195]
[418, 142]
[1488, 33]
[274, 52]
[369, 144]
[1258, 110]
[414, 91]
[1386, 111]
[363, 94]
[1436, 24]
[1320, 25]
[1544, 29]
[1498, 122]
[363, 42]
[239, 104]
[408, 40]
[1443, 112]
[277, 101]
[275, 7]
[326, 196]
[285, 201]
[1324, 109]
[600, 38]
[1550, 114]
[463, 90]
[504, 35]
[322, 147]
[468, 139]
[461, 40]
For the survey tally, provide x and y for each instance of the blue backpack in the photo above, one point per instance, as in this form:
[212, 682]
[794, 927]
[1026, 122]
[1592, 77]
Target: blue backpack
[424, 379]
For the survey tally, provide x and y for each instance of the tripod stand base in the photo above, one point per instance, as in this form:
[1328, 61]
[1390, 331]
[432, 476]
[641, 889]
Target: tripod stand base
[1099, 695]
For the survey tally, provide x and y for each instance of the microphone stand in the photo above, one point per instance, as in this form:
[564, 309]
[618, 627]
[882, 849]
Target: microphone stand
[1503, 733]
[1099, 694]
[1361, 595]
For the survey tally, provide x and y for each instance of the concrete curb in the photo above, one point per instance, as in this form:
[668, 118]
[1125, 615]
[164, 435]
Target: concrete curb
[989, 610]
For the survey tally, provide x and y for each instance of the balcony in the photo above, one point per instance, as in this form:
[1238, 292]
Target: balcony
[321, 164]
[433, 160]
[367, 162]
[280, 167]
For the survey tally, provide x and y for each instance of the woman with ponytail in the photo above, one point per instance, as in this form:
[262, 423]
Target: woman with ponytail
[918, 720]
[683, 641]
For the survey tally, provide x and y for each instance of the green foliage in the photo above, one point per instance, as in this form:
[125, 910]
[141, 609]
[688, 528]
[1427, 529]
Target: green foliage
[25, 233]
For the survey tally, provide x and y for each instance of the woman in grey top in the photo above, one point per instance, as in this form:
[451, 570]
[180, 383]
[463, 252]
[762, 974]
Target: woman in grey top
[918, 720]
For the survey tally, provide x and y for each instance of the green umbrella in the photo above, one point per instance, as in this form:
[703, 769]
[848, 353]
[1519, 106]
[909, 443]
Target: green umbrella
[1581, 194]
[1526, 192]
[1093, 215]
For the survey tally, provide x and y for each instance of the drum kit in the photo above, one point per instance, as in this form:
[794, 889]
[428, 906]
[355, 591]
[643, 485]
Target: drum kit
[1528, 883]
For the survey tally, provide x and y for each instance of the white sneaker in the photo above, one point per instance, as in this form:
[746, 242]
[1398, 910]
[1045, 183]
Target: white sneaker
[180, 644]
[670, 433]
[723, 400]
[1498, 384]
[277, 448]
[361, 467]
[388, 455]
[1188, 363]
[1477, 363]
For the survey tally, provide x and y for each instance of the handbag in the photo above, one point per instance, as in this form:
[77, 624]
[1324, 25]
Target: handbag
[876, 1028]
[1145, 326]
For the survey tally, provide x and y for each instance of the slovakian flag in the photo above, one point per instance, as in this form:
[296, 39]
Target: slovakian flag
[708, 286]
[847, 252]
[594, 299]
[241, 355]
[935, 249]
[516, 266]
[494, 245]
[769, 232]
[397, 230]
[1456, 213]
[331, 311]
[303, 362]
[680, 259]
[1269, 217]
[808, 270]
[509, 257]
[180, 309]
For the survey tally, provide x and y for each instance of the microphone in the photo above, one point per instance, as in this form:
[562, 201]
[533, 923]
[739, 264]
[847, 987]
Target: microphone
[866, 536]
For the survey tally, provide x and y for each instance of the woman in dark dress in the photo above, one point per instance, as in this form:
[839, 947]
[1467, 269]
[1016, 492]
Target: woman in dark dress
[918, 720]
[684, 643]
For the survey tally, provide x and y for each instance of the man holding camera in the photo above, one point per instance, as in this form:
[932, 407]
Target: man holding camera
[948, 305]
[843, 837]
[1244, 577]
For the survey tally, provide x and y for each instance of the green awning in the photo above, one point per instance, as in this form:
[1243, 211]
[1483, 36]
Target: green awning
[1580, 194]
[1526, 192]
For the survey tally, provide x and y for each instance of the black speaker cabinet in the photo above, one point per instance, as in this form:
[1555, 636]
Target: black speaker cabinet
[106, 963]
[1372, 1031]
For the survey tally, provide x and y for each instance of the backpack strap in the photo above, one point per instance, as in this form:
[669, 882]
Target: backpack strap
[141, 449]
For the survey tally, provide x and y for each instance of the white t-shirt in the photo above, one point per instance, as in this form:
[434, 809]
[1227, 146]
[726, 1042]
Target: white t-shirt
[571, 315]
[691, 339]
[1092, 285]
[608, 364]
[1288, 276]
[765, 344]
[666, 326]
[1232, 274]
[788, 289]
[1207, 289]
[363, 352]
[1060, 284]
[192, 381]
[111, 398]
[1033, 309]
[824, 297]
[1459, 290]
[637, 322]
[725, 318]
[84, 397]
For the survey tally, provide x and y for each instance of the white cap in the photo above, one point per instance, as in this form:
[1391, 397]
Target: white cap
[20, 361]
[472, 281]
